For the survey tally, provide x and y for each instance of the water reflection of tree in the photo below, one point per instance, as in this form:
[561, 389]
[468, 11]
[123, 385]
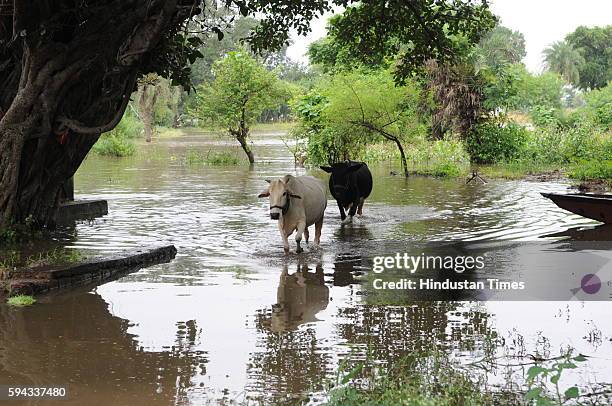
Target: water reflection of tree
[388, 332]
[291, 359]
[74, 340]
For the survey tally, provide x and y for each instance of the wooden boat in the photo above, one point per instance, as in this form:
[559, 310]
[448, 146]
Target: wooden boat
[596, 207]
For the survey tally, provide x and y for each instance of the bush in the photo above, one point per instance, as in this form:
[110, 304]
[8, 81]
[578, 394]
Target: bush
[110, 145]
[446, 170]
[118, 141]
[492, 142]
[544, 116]
[592, 170]
[603, 116]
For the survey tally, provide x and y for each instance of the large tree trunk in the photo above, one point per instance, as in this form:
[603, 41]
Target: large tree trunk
[62, 86]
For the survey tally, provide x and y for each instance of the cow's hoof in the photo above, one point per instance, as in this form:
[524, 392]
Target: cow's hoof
[299, 250]
[286, 250]
[347, 220]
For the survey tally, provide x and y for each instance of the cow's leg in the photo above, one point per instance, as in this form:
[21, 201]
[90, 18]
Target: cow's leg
[318, 227]
[360, 208]
[351, 212]
[285, 237]
[342, 215]
[298, 236]
[306, 235]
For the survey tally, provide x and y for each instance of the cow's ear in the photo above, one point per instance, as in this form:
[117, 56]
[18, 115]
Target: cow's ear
[327, 169]
[354, 167]
[264, 193]
[268, 180]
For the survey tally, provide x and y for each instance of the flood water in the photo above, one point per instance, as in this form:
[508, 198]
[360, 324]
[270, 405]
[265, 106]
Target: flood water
[233, 318]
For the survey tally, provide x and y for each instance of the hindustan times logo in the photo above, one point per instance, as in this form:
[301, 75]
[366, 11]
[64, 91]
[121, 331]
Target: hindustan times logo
[411, 263]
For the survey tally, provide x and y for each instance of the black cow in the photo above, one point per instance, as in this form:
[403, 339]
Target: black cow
[350, 184]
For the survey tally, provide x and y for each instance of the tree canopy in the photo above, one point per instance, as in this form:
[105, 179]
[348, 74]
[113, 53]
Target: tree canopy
[241, 90]
[563, 58]
[594, 46]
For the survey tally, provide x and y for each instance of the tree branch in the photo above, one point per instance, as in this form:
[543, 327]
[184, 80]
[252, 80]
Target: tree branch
[80, 128]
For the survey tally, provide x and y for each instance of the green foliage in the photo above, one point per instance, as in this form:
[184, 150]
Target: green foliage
[599, 106]
[241, 90]
[593, 44]
[501, 47]
[551, 371]
[17, 233]
[592, 170]
[357, 108]
[112, 145]
[424, 379]
[544, 90]
[21, 300]
[402, 34]
[494, 142]
[562, 58]
[220, 158]
[118, 142]
[447, 170]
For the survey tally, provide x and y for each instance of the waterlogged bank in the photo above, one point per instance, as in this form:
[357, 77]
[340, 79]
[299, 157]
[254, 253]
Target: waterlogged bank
[234, 319]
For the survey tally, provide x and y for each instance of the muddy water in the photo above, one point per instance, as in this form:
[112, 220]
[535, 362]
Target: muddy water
[234, 318]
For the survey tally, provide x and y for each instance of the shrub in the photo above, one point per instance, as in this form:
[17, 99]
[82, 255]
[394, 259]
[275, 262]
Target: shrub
[111, 145]
[603, 116]
[592, 170]
[446, 170]
[118, 141]
[543, 116]
[492, 142]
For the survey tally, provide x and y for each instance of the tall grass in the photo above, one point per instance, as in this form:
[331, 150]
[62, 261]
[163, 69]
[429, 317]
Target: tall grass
[441, 158]
[221, 158]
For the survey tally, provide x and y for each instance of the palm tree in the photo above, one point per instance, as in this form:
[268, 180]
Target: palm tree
[563, 58]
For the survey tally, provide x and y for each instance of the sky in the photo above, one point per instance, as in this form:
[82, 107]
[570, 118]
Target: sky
[542, 22]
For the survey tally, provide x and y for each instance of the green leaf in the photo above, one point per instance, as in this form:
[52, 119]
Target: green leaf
[580, 358]
[572, 393]
[535, 371]
[555, 379]
[346, 378]
[533, 393]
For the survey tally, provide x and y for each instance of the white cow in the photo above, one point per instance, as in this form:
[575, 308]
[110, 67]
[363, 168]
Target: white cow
[297, 203]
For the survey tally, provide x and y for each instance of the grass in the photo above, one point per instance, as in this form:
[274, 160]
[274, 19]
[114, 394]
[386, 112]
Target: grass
[211, 158]
[13, 260]
[516, 170]
[57, 256]
[21, 300]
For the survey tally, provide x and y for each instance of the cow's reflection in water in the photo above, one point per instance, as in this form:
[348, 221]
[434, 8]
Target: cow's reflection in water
[300, 297]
